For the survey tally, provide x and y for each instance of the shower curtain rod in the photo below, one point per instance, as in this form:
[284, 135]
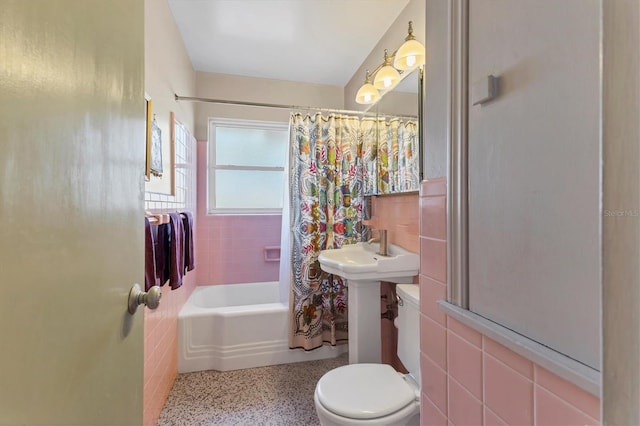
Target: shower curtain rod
[280, 106]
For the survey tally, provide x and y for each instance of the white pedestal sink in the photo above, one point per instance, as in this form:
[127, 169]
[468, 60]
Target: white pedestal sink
[364, 268]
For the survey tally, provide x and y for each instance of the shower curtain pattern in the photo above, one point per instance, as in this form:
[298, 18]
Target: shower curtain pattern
[369, 129]
[326, 205]
[328, 176]
[397, 156]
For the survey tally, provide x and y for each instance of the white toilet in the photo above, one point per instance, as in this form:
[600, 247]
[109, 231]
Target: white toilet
[376, 394]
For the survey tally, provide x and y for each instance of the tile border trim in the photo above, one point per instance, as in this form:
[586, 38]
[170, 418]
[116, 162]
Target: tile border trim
[584, 377]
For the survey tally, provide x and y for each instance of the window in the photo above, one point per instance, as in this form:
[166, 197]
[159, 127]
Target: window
[246, 161]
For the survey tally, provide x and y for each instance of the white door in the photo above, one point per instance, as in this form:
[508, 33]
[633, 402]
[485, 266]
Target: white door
[71, 228]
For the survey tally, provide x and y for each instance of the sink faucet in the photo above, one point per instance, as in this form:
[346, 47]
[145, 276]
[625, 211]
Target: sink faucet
[382, 239]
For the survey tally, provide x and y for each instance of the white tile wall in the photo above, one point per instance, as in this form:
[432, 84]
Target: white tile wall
[185, 176]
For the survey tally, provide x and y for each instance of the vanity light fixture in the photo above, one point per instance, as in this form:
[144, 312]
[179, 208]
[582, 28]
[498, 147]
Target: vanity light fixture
[408, 57]
[367, 94]
[411, 54]
[387, 76]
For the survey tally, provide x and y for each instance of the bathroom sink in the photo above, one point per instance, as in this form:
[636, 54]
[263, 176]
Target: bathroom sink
[362, 262]
[363, 268]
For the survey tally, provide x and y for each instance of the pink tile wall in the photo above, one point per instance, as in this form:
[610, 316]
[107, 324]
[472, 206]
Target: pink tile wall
[160, 348]
[467, 378]
[161, 325]
[398, 214]
[231, 248]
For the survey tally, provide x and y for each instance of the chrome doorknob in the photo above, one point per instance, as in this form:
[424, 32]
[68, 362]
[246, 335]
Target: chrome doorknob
[138, 297]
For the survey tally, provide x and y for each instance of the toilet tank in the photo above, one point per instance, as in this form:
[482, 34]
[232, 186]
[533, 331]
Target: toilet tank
[408, 323]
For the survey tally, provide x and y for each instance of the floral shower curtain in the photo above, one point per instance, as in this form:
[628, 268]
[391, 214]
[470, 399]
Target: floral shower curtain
[326, 201]
[330, 170]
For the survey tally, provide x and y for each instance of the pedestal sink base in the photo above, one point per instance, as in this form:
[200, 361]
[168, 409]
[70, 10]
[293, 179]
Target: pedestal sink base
[364, 322]
[363, 269]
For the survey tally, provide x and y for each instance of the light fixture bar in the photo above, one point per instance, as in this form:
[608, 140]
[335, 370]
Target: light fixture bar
[409, 56]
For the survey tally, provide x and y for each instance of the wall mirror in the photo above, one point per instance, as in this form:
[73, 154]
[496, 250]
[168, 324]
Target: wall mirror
[396, 160]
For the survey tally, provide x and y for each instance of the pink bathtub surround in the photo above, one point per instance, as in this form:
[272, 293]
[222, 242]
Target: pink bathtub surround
[231, 248]
[467, 378]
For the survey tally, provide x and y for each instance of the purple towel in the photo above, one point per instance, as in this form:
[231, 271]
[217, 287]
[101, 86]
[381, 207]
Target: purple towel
[176, 250]
[189, 255]
[149, 256]
[162, 240]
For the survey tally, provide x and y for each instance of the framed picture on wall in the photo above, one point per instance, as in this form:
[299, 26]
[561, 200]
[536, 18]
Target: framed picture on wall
[154, 142]
[156, 149]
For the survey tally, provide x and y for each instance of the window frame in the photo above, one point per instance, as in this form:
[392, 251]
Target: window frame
[212, 166]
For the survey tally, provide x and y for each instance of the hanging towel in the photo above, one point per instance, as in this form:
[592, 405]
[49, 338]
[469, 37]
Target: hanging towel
[149, 256]
[176, 250]
[189, 254]
[162, 242]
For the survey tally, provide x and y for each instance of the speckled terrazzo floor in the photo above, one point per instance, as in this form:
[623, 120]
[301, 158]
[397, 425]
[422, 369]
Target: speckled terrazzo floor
[274, 395]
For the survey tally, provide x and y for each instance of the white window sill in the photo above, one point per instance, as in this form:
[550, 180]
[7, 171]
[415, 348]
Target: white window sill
[569, 369]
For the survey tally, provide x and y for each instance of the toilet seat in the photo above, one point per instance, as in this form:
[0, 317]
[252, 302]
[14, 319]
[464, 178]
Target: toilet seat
[365, 391]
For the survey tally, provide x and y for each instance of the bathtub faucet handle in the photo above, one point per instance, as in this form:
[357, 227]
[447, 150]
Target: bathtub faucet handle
[138, 297]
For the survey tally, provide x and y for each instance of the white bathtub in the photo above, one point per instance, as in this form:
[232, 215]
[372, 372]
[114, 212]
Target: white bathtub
[234, 326]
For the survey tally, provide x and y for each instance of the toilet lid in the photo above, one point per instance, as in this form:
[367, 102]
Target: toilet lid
[364, 391]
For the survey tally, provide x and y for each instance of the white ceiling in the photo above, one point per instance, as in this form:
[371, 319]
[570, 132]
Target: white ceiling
[316, 41]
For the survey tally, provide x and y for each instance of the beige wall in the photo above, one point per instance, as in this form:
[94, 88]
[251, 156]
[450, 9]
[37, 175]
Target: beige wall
[436, 84]
[168, 71]
[262, 90]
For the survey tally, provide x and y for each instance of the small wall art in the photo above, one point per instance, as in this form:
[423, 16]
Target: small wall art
[155, 167]
[154, 142]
